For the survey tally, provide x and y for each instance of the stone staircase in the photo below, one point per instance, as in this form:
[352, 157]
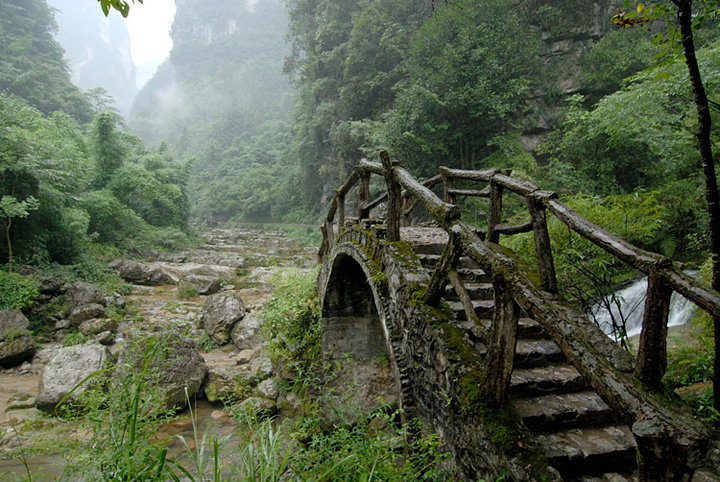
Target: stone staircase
[577, 431]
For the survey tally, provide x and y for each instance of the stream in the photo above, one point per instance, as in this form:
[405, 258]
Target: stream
[251, 254]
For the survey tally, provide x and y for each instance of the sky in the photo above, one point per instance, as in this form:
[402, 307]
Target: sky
[149, 26]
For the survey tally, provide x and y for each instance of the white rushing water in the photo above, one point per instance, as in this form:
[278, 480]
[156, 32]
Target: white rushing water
[632, 306]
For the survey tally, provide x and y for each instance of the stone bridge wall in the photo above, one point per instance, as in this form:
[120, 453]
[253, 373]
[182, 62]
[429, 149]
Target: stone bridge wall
[438, 370]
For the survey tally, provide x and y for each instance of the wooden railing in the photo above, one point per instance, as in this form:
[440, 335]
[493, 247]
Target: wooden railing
[403, 193]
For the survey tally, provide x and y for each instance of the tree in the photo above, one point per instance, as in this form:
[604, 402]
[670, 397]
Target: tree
[470, 72]
[11, 208]
[120, 5]
[683, 10]
[107, 147]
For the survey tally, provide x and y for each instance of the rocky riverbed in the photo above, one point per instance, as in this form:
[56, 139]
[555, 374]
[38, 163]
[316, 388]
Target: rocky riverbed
[210, 300]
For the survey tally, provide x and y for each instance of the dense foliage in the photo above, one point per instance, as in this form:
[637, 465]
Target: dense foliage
[70, 177]
[31, 62]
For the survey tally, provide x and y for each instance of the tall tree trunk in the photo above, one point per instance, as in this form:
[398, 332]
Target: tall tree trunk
[711, 189]
[7, 237]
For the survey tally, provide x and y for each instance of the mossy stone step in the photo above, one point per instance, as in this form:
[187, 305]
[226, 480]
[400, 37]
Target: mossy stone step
[590, 451]
[551, 413]
[482, 308]
[476, 291]
[527, 382]
[537, 353]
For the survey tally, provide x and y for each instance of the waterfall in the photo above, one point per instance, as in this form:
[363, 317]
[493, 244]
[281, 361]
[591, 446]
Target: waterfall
[631, 302]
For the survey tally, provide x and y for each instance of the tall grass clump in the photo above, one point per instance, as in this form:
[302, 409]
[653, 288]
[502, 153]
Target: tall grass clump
[122, 414]
[292, 321]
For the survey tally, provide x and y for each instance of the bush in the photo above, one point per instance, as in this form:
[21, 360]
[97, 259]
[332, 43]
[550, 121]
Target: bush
[17, 291]
[292, 320]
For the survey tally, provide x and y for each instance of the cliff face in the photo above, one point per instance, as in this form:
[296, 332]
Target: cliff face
[226, 61]
[97, 49]
[568, 30]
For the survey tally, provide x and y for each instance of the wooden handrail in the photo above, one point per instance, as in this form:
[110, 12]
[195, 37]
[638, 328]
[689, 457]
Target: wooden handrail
[513, 291]
[642, 260]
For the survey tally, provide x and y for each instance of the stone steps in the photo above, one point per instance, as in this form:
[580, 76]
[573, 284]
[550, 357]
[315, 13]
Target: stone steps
[482, 308]
[475, 290]
[590, 451]
[574, 427]
[549, 413]
[537, 353]
[540, 381]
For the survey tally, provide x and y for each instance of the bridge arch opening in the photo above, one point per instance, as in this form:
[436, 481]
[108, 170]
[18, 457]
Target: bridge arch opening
[352, 324]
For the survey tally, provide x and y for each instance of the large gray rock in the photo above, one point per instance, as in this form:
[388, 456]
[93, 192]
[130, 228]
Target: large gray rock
[86, 312]
[16, 343]
[218, 258]
[204, 285]
[220, 314]
[176, 364]
[246, 332]
[228, 383]
[12, 322]
[140, 273]
[82, 293]
[67, 368]
[95, 326]
[180, 271]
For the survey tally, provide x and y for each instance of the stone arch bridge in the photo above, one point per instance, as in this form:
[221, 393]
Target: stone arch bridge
[513, 379]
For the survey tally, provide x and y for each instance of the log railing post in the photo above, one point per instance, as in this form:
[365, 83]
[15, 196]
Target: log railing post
[543, 248]
[448, 184]
[501, 350]
[652, 350]
[394, 206]
[405, 219]
[340, 198]
[325, 245]
[363, 194]
[495, 215]
[448, 260]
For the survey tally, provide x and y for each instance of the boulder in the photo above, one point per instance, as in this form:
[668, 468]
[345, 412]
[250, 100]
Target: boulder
[82, 293]
[15, 350]
[106, 338]
[12, 322]
[245, 334]
[290, 405]
[261, 367]
[176, 365]
[268, 389]
[204, 285]
[67, 368]
[179, 272]
[86, 312]
[16, 343]
[218, 258]
[95, 326]
[115, 299]
[50, 287]
[220, 314]
[228, 383]
[140, 273]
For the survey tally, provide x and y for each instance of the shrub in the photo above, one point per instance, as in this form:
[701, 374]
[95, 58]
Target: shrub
[292, 320]
[17, 291]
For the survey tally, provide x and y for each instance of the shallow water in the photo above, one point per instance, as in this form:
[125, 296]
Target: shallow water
[213, 416]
